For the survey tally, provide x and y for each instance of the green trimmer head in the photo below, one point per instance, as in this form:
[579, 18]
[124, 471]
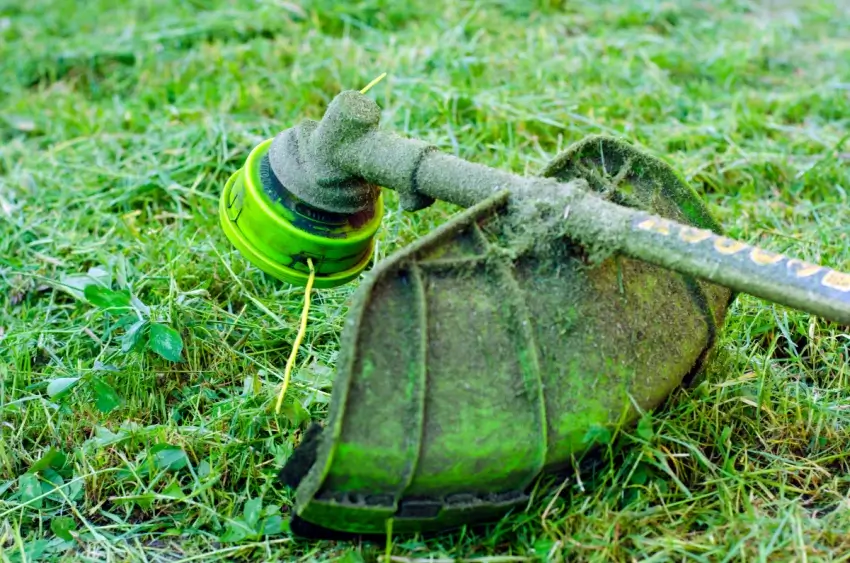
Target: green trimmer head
[278, 231]
[487, 353]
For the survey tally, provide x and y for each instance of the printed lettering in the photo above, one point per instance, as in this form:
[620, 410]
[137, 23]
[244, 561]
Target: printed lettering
[765, 257]
[803, 269]
[837, 280]
[694, 235]
[728, 246]
[655, 225]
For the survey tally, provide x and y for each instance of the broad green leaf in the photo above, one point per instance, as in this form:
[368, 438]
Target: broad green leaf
[641, 474]
[543, 547]
[166, 456]
[62, 526]
[61, 385]
[51, 477]
[75, 488]
[51, 458]
[271, 509]
[236, 531]
[107, 299]
[352, 557]
[166, 342]
[597, 435]
[30, 489]
[105, 397]
[174, 491]
[295, 413]
[145, 501]
[124, 321]
[644, 428]
[51, 484]
[273, 525]
[32, 551]
[105, 437]
[134, 337]
[75, 284]
[252, 511]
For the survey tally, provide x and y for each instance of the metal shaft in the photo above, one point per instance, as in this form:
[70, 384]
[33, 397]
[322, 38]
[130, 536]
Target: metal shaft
[346, 149]
[744, 268]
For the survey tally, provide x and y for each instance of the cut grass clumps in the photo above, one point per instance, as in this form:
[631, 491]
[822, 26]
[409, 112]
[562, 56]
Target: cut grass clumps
[119, 169]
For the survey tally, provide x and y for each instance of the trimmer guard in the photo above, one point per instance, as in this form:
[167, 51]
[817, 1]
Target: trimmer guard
[484, 355]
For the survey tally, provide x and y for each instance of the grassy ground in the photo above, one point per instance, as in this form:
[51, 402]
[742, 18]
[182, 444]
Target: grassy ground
[121, 121]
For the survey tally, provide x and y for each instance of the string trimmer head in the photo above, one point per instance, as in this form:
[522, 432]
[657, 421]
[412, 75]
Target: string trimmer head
[484, 354]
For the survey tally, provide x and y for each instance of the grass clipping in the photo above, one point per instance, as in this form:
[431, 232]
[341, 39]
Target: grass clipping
[287, 374]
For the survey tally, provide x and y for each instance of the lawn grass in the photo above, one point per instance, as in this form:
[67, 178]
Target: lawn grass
[120, 123]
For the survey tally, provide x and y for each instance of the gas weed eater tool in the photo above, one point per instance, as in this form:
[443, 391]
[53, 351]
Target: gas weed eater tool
[479, 357]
